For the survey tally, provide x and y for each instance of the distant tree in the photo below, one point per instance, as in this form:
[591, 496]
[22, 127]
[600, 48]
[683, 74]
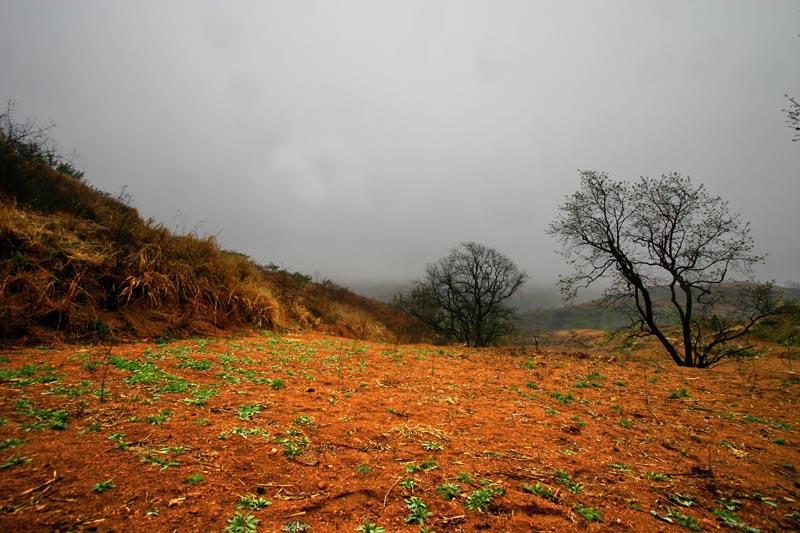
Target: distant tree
[793, 116]
[669, 237]
[463, 295]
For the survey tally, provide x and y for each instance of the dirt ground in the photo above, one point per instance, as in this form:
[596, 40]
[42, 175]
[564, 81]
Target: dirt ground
[336, 434]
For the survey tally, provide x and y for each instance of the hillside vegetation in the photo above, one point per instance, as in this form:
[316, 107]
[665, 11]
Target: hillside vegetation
[78, 263]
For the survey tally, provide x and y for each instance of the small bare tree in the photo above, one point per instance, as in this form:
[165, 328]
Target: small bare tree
[463, 295]
[668, 247]
[793, 116]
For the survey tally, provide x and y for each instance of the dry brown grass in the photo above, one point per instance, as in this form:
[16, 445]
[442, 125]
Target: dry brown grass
[75, 261]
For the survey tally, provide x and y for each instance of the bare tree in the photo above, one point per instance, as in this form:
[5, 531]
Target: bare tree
[668, 248]
[463, 295]
[793, 116]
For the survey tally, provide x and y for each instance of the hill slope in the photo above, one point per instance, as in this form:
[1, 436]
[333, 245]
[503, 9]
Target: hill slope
[78, 263]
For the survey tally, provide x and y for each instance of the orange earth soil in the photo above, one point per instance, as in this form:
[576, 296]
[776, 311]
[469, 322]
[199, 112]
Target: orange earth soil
[331, 430]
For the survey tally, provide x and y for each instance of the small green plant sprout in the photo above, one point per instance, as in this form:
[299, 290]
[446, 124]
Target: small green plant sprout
[565, 479]
[590, 381]
[119, 438]
[412, 468]
[363, 468]
[194, 479]
[242, 523]
[562, 398]
[298, 526]
[370, 527]
[159, 418]
[684, 520]
[482, 499]
[14, 460]
[540, 491]
[531, 385]
[417, 511]
[679, 394]
[432, 446]
[464, 477]
[627, 423]
[304, 420]
[10, 443]
[732, 520]
[248, 411]
[253, 503]
[278, 384]
[590, 514]
[686, 500]
[408, 483]
[657, 476]
[103, 486]
[449, 491]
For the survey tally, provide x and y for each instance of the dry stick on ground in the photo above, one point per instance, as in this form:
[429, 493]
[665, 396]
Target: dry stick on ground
[386, 496]
[105, 373]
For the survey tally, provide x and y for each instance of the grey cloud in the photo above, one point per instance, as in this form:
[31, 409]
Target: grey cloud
[362, 139]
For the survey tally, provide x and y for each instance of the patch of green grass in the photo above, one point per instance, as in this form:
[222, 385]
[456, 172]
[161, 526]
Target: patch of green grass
[657, 476]
[28, 374]
[370, 527]
[119, 438]
[253, 503]
[449, 491]
[686, 500]
[408, 483]
[685, 521]
[481, 499]
[562, 398]
[194, 479]
[159, 418]
[540, 491]
[363, 468]
[464, 477]
[103, 486]
[304, 420]
[11, 443]
[732, 520]
[244, 433]
[70, 391]
[590, 514]
[679, 393]
[565, 479]
[432, 446]
[13, 461]
[248, 411]
[298, 526]
[421, 467]
[200, 396]
[43, 418]
[153, 459]
[627, 423]
[417, 511]
[196, 364]
[591, 380]
[242, 523]
[294, 445]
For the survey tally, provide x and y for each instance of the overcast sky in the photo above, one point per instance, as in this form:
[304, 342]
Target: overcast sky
[363, 139]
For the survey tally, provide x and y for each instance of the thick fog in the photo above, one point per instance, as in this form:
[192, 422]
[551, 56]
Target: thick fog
[359, 140]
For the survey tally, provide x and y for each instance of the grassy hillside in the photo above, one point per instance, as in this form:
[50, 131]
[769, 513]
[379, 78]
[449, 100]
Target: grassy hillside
[76, 262]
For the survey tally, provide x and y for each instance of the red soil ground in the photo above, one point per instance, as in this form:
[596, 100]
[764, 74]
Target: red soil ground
[634, 438]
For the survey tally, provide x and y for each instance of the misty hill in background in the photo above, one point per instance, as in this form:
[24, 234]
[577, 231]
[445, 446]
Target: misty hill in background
[594, 315]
